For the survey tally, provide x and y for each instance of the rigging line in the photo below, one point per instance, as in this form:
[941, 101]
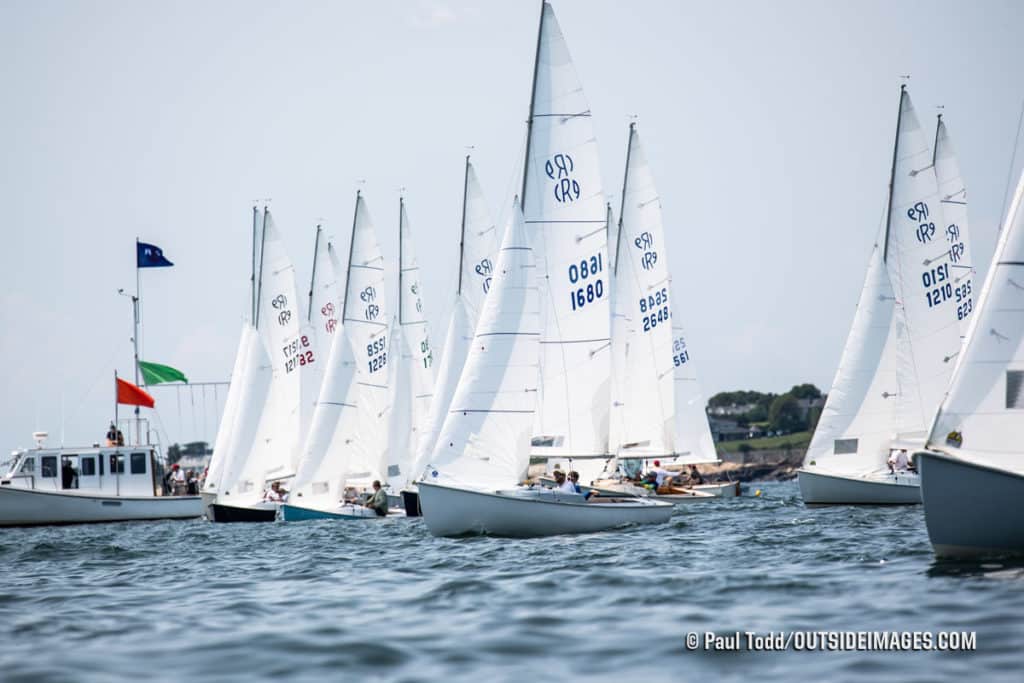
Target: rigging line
[1009, 171]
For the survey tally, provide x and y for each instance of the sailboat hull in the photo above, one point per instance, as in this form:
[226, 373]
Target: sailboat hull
[450, 511]
[970, 509]
[827, 488]
[295, 513]
[262, 512]
[27, 507]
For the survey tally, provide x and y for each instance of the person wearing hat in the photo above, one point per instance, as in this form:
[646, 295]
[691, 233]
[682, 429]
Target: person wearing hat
[660, 474]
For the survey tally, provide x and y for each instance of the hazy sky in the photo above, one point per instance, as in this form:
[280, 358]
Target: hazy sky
[768, 126]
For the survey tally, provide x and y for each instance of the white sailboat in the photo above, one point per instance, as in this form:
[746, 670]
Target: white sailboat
[484, 448]
[972, 475]
[902, 345]
[478, 247]
[953, 197]
[272, 453]
[348, 439]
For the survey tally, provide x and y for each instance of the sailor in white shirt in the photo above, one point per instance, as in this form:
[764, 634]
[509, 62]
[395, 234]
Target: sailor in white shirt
[562, 484]
[660, 473]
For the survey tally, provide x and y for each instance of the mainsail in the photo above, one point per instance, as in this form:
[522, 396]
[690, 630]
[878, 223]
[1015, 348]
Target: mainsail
[485, 440]
[563, 205]
[478, 246]
[953, 198]
[646, 402]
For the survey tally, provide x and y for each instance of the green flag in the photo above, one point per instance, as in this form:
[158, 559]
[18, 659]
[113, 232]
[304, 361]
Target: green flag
[154, 373]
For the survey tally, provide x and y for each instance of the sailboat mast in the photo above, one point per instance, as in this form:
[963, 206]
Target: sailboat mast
[935, 145]
[462, 234]
[892, 176]
[312, 279]
[351, 246]
[259, 284]
[401, 263]
[135, 335]
[252, 273]
[533, 95]
[622, 204]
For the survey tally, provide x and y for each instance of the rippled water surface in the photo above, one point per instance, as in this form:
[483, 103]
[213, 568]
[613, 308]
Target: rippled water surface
[383, 600]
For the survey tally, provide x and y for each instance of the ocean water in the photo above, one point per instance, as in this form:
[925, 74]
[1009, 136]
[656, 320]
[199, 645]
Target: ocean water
[383, 600]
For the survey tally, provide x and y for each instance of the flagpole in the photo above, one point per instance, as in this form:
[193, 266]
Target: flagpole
[115, 399]
[136, 302]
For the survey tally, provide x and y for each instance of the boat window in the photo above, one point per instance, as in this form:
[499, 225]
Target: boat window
[844, 446]
[1015, 388]
[138, 463]
[49, 466]
[88, 466]
[28, 466]
[100, 459]
[116, 463]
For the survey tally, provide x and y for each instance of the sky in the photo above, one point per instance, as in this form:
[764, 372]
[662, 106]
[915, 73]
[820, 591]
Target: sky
[768, 127]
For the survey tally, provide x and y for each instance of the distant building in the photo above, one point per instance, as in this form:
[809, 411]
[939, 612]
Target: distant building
[728, 430]
[733, 409]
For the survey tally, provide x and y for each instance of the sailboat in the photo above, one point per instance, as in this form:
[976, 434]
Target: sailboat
[478, 246]
[646, 352]
[484, 447]
[972, 473]
[254, 460]
[346, 446]
[902, 346]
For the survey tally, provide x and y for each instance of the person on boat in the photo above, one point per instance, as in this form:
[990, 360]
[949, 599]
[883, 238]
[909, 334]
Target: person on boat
[378, 501]
[574, 481]
[898, 461]
[660, 474]
[111, 437]
[561, 483]
[695, 476]
[178, 480]
[192, 483]
[119, 437]
[168, 482]
[650, 480]
[275, 494]
[68, 475]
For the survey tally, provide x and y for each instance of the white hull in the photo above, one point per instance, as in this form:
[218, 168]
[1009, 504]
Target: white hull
[726, 489]
[452, 511]
[24, 507]
[824, 488]
[971, 509]
[208, 500]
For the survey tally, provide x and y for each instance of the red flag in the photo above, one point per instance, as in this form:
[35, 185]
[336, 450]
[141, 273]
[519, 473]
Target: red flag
[131, 395]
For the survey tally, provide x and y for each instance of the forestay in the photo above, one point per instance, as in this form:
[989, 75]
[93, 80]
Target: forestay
[485, 440]
[982, 418]
[564, 210]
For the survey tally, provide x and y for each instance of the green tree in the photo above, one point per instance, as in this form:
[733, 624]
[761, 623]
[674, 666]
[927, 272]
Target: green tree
[805, 391]
[784, 415]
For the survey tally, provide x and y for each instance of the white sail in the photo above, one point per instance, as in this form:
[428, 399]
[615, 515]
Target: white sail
[250, 380]
[415, 347]
[647, 390]
[276, 447]
[348, 438]
[982, 417]
[485, 441]
[564, 210]
[321, 320]
[953, 198]
[922, 277]
[858, 422]
[477, 254]
[400, 420]
[693, 443]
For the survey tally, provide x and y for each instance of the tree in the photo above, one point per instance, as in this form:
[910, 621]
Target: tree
[785, 415]
[173, 453]
[805, 391]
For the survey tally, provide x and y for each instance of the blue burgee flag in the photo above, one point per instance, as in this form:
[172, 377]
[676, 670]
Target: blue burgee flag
[150, 256]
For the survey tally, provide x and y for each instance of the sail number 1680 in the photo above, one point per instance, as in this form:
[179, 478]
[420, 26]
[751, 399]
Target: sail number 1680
[586, 275]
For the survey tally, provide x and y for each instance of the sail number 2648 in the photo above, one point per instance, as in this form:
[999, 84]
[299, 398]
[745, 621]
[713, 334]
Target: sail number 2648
[587, 283]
